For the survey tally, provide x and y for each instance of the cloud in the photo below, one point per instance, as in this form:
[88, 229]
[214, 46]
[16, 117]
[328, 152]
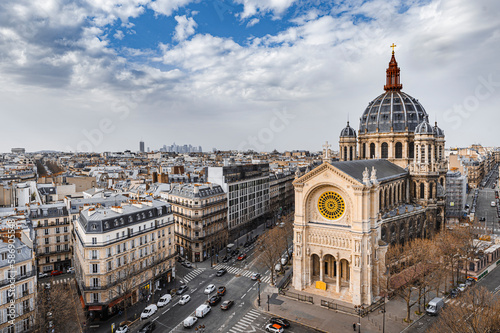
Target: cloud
[185, 27]
[119, 35]
[252, 22]
[167, 7]
[254, 7]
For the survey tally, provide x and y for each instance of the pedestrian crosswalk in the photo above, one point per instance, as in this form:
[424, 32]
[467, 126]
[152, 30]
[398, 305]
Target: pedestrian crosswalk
[66, 280]
[247, 322]
[191, 275]
[457, 303]
[243, 272]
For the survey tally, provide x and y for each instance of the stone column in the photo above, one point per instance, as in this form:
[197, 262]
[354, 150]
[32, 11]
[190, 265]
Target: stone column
[321, 269]
[337, 263]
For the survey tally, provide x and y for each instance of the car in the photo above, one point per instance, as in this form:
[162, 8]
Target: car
[470, 281]
[274, 328]
[242, 256]
[190, 321]
[493, 204]
[180, 259]
[226, 305]
[149, 311]
[182, 289]
[221, 272]
[225, 259]
[56, 272]
[453, 293]
[247, 244]
[255, 276]
[42, 275]
[221, 291]
[187, 264]
[462, 286]
[184, 299]
[235, 252]
[164, 300]
[280, 321]
[209, 289]
[47, 286]
[482, 219]
[70, 270]
[214, 300]
[147, 327]
[122, 329]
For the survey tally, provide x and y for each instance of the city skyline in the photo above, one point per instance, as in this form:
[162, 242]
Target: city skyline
[252, 72]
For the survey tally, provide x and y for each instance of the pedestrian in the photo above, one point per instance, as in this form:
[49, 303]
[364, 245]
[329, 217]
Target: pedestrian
[354, 327]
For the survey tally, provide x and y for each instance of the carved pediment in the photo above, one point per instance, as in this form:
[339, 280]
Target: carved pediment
[328, 170]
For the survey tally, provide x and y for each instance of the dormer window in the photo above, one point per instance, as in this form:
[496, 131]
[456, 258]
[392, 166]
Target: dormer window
[116, 222]
[122, 221]
[106, 225]
[130, 219]
[93, 226]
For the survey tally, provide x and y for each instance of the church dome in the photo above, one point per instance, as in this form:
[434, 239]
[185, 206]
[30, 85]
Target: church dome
[348, 132]
[394, 110]
[438, 132]
[424, 128]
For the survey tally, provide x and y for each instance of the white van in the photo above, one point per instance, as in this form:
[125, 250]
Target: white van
[493, 204]
[202, 310]
[190, 321]
[434, 306]
[149, 311]
[164, 300]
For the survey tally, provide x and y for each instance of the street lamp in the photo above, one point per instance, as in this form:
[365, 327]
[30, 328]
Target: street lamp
[359, 309]
[258, 287]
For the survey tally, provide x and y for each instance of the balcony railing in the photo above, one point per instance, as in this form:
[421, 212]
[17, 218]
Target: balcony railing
[17, 278]
[198, 205]
[201, 216]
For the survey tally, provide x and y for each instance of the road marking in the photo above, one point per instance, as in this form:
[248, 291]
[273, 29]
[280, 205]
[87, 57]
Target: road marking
[165, 311]
[243, 295]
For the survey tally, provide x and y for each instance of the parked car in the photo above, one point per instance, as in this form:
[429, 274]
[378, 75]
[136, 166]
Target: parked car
[214, 300]
[184, 299]
[462, 286]
[493, 203]
[221, 291]
[247, 244]
[453, 293]
[242, 256]
[70, 270]
[226, 305]
[187, 264]
[255, 276]
[280, 321]
[149, 311]
[164, 300]
[147, 327]
[221, 272]
[56, 272]
[225, 259]
[182, 289]
[122, 329]
[274, 328]
[190, 321]
[180, 259]
[209, 289]
[470, 281]
[42, 275]
[235, 252]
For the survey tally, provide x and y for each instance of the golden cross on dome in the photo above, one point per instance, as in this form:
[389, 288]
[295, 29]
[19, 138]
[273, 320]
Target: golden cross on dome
[393, 46]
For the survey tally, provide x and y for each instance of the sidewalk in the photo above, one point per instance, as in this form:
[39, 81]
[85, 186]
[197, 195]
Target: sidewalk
[325, 320]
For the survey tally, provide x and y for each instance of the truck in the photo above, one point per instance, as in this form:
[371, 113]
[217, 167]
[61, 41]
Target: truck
[434, 306]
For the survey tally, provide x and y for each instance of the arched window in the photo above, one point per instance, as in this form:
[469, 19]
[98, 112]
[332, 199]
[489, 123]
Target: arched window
[372, 150]
[345, 153]
[441, 181]
[389, 201]
[350, 154]
[422, 154]
[430, 190]
[364, 150]
[411, 150]
[385, 150]
[399, 150]
[422, 191]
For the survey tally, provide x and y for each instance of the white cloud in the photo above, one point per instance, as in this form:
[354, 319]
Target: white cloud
[167, 7]
[185, 27]
[119, 35]
[252, 22]
[254, 7]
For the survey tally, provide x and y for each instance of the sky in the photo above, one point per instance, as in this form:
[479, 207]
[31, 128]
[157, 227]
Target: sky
[101, 75]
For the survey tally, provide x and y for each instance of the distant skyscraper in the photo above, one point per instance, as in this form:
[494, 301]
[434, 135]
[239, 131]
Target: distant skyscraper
[141, 146]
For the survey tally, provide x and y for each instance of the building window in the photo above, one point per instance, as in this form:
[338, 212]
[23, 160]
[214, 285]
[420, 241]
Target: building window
[95, 268]
[94, 240]
[399, 150]
[372, 150]
[411, 150]
[46, 231]
[385, 150]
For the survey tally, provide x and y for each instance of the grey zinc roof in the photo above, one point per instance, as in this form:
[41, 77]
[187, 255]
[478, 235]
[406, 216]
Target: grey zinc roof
[385, 169]
[204, 191]
[22, 253]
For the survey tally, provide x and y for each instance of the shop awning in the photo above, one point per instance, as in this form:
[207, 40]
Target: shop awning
[95, 308]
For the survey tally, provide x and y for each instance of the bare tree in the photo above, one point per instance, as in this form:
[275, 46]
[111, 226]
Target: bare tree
[480, 314]
[56, 309]
[270, 247]
[123, 280]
